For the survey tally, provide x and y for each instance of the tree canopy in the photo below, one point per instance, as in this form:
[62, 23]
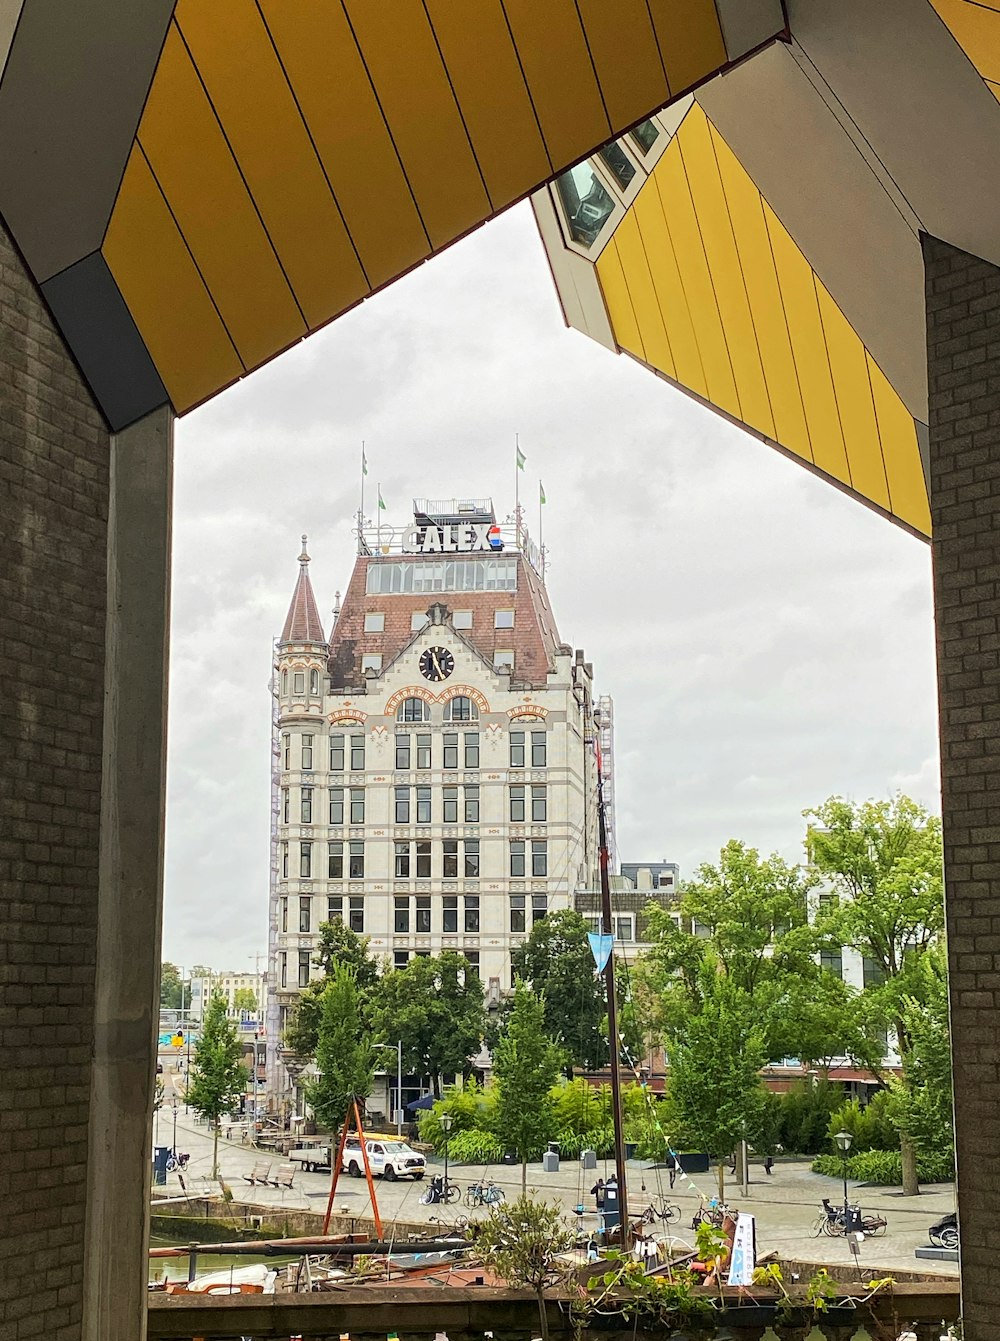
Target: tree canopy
[345, 1056]
[170, 986]
[338, 946]
[557, 963]
[525, 1066]
[220, 1077]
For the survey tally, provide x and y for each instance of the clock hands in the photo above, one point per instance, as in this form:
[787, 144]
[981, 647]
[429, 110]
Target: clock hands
[437, 664]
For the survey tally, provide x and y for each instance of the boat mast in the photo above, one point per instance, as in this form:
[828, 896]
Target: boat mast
[607, 926]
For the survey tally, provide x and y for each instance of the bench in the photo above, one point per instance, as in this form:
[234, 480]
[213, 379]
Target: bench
[258, 1175]
[284, 1177]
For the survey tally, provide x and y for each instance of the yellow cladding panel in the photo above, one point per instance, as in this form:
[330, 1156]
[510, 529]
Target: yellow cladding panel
[976, 28]
[482, 64]
[630, 72]
[901, 453]
[164, 292]
[685, 235]
[746, 214]
[812, 363]
[690, 40]
[203, 187]
[723, 259]
[669, 291]
[412, 85]
[557, 65]
[615, 288]
[331, 85]
[272, 147]
[855, 404]
[634, 262]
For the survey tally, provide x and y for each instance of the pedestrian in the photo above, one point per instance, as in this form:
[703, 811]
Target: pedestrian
[672, 1168]
[768, 1164]
[597, 1191]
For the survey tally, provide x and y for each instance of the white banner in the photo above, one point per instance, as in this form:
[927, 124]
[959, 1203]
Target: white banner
[743, 1260]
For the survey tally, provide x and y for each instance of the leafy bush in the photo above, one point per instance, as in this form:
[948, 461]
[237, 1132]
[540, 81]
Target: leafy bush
[871, 1126]
[601, 1140]
[805, 1114]
[884, 1168]
[469, 1107]
[475, 1147]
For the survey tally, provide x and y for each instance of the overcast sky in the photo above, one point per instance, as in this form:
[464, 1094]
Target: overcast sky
[767, 641]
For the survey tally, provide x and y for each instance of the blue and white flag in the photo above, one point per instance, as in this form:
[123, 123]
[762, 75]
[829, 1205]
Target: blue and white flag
[743, 1262]
[601, 944]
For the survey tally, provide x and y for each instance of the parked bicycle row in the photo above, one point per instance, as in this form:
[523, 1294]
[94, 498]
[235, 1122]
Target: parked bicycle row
[483, 1193]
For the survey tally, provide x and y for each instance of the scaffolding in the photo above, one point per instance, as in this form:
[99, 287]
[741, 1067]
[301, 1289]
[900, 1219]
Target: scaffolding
[604, 721]
[273, 1015]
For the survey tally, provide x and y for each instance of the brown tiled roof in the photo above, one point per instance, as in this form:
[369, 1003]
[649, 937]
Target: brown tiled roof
[534, 638]
[303, 624]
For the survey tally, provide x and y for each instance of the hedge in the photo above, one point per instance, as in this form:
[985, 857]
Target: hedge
[884, 1168]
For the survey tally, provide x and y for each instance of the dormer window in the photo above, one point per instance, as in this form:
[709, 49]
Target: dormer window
[413, 710]
[460, 709]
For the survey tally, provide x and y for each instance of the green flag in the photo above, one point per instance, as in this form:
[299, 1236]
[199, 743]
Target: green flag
[364, 461]
[541, 492]
[520, 458]
[381, 500]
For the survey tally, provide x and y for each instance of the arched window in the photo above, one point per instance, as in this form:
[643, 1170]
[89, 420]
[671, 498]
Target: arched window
[314, 682]
[413, 710]
[284, 682]
[460, 709]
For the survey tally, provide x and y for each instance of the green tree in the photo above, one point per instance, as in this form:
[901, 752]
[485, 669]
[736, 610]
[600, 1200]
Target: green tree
[170, 986]
[716, 1097]
[884, 860]
[338, 946]
[525, 1066]
[345, 1057]
[245, 1000]
[922, 1104]
[521, 1242]
[557, 963]
[434, 1006]
[220, 1077]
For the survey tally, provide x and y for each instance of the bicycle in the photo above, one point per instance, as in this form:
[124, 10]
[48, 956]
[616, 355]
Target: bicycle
[439, 1190]
[837, 1221]
[660, 1209]
[713, 1213]
[484, 1194]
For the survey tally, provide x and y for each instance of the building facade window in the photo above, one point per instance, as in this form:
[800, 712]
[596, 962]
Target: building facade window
[449, 914]
[286, 751]
[299, 682]
[460, 709]
[450, 757]
[833, 960]
[285, 806]
[284, 915]
[503, 619]
[539, 751]
[402, 804]
[472, 913]
[337, 752]
[472, 963]
[517, 912]
[472, 749]
[305, 861]
[400, 959]
[283, 964]
[357, 805]
[449, 802]
[356, 914]
[471, 804]
[402, 861]
[314, 682]
[423, 861]
[357, 754]
[306, 805]
[284, 682]
[403, 752]
[417, 621]
[423, 915]
[307, 752]
[472, 858]
[336, 805]
[539, 805]
[461, 619]
[356, 861]
[423, 753]
[517, 858]
[517, 805]
[335, 908]
[413, 710]
[517, 749]
[423, 805]
[303, 968]
[305, 914]
[401, 916]
[503, 657]
[284, 861]
[449, 858]
[539, 858]
[374, 622]
[539, 907]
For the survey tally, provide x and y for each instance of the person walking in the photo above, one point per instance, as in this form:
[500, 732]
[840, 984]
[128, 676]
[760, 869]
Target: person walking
[768, 1164]
[672, 1168]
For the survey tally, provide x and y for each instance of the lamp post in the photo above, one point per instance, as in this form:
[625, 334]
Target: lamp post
[174, 1150]
[843, 1140]
[397, 1048]
[446, 1121]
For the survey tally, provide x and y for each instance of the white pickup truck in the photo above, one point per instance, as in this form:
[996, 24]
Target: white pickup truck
[390, 1159]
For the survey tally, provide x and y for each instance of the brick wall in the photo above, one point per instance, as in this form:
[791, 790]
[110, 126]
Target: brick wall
[53, 464]
[963, 340]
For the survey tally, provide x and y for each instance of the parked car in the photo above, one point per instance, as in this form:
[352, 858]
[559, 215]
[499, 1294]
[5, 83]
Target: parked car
[389, 1159]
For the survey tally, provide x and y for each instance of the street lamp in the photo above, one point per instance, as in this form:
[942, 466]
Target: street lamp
[397, 1048]
[446, 1121]
[843, 1140]
[174, 1151]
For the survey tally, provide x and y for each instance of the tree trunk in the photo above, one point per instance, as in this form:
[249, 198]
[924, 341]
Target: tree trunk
[215, 1148]
[524, 1177]
[722, 1180]
[543, 1321]
[740, 1174]
[908, 1151]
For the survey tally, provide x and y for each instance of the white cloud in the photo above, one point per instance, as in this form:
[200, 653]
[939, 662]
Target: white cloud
[767, 640]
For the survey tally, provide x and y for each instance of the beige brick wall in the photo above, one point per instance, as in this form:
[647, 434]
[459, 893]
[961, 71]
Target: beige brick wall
[53, 465]
[963, 338]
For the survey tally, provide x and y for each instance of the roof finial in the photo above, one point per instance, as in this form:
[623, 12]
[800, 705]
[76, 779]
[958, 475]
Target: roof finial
[336, 606]
[304, 556]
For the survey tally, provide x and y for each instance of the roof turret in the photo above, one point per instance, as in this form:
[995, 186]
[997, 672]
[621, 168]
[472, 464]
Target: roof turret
[303, 624]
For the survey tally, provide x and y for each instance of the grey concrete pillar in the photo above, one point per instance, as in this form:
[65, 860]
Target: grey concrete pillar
[963, 357]
[130, 880]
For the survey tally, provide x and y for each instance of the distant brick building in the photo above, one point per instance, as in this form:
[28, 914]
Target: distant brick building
[434, 770]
